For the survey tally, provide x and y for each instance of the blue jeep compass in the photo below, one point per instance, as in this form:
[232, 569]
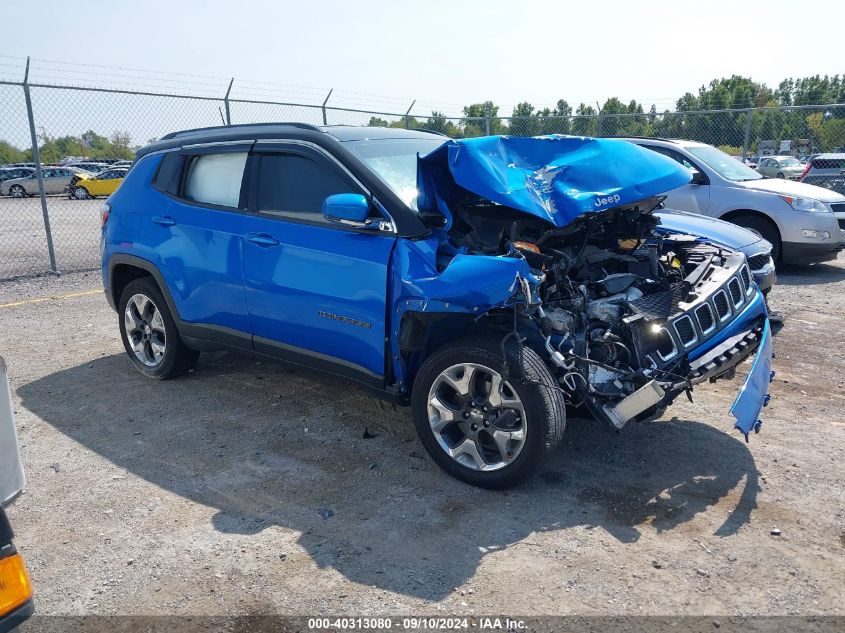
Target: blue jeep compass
[489, 282]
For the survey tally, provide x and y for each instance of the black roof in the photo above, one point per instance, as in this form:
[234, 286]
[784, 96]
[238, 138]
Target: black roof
[256, 130]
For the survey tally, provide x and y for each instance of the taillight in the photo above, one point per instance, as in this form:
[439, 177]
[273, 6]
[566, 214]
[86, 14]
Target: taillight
[806, 169]
[104, 213]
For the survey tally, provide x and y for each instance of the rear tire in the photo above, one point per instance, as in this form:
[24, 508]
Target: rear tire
[17, 191]
[780, 174]
[764, 228]
[500, 430]
[149, 332]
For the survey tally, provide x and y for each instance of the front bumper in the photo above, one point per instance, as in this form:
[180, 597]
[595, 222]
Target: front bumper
[809, 252]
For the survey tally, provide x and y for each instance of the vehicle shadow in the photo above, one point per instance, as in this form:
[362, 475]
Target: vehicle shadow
[824, 273]
[266, 445]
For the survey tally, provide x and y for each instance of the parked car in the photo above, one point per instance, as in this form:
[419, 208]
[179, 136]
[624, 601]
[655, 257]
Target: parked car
[105, 183]
[9, 173]
[787, 167]
[800, 221]
[56, 180]
[828, 171]
[451, 282]
[15, 587]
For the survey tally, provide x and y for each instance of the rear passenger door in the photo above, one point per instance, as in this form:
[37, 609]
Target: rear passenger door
[316, 290]
[194, 237]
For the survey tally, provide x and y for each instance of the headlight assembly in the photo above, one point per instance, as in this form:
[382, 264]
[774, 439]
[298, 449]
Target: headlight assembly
[806, 204]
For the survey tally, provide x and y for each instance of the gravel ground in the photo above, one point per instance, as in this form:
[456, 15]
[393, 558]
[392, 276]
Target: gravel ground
[75, 226]
[246, 487]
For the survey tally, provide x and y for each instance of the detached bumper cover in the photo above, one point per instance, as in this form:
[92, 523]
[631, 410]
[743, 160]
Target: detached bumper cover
[754, 393]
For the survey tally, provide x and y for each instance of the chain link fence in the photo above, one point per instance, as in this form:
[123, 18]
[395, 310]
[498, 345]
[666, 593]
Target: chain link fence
[47, 230]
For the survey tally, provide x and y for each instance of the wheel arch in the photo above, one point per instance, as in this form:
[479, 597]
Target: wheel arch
[124, 268]
[421, 334]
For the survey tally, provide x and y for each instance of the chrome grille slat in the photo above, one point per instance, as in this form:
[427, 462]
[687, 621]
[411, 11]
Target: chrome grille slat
[736, 292]
[722, 305]
[706, 320]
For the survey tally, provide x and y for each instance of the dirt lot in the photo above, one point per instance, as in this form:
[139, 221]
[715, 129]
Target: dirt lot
[246, 487]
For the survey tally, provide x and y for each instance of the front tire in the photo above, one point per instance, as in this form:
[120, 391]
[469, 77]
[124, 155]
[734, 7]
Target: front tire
[485, 423]
[762, 227]
[149, 332]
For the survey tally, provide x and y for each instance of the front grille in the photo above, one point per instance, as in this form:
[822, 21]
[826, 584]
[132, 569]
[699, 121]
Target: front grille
[705, 318]
[723, 310]
[747, 280]
[838, 207]
[665, 346]
[685, 330]
[736, 292]
[756, 262]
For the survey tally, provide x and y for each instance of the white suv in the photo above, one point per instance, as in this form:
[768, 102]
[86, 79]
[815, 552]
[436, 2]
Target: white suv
[804, 223]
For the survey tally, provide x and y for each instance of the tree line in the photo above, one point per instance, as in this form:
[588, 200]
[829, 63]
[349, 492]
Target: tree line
[691, 119]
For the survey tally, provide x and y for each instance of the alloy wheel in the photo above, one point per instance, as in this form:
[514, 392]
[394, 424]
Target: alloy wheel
[17, 191]
[145, 330]
[80, 193]
[476, 417]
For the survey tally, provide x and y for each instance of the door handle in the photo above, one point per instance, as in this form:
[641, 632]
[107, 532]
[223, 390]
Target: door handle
[164, 220]
[264, 240]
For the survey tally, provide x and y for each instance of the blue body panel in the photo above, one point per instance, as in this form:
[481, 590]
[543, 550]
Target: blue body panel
[199, 255]
[555, 178]
[321, 289]
[754, 393]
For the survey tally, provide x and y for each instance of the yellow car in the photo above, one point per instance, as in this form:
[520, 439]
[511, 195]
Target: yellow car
[105, 183]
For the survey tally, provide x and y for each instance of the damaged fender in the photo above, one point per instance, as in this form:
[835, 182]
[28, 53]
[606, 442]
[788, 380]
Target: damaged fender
[469, 284]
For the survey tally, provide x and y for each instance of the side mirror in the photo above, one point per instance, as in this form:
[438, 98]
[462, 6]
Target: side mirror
[698, 178]
[347, 208]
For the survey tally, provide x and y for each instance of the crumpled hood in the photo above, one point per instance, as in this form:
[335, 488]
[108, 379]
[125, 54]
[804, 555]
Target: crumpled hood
[556, 178]
[792, 188]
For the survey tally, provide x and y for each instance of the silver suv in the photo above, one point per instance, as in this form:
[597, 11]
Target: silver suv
[804, 223]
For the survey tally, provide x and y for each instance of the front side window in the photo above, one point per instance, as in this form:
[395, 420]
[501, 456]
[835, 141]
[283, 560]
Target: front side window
[726, 166]
[395, 162]
[216, 179]
[294, 184]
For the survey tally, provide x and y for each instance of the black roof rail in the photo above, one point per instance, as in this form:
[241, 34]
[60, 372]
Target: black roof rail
[239, 126]
[647, 138]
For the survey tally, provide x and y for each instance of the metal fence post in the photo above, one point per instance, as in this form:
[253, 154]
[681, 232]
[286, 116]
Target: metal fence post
[599, 118]
[325, 101]
[36, 158]
[408, 115]
[226, 101]
[747, 138]
[486, 120]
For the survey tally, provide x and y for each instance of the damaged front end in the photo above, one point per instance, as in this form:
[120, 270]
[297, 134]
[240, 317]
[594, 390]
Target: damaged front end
[553, 240]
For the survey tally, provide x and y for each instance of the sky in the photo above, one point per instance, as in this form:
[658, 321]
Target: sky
[380, 54]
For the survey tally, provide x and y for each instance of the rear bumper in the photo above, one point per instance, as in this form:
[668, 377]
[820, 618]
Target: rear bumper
[808, 253]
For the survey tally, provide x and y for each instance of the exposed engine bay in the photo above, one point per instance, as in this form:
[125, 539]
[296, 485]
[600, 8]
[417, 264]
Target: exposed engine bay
[617, 307]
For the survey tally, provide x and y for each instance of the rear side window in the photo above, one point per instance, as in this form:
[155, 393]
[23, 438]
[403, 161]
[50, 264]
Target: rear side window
[216, 179]
[167, 176]
[289, 183]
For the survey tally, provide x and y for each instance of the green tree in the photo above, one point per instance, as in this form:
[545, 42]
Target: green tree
[10, 154]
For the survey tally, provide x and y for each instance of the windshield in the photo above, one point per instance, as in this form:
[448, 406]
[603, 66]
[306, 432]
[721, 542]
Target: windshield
[790, 162]
[724, 165]
[394, 160]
